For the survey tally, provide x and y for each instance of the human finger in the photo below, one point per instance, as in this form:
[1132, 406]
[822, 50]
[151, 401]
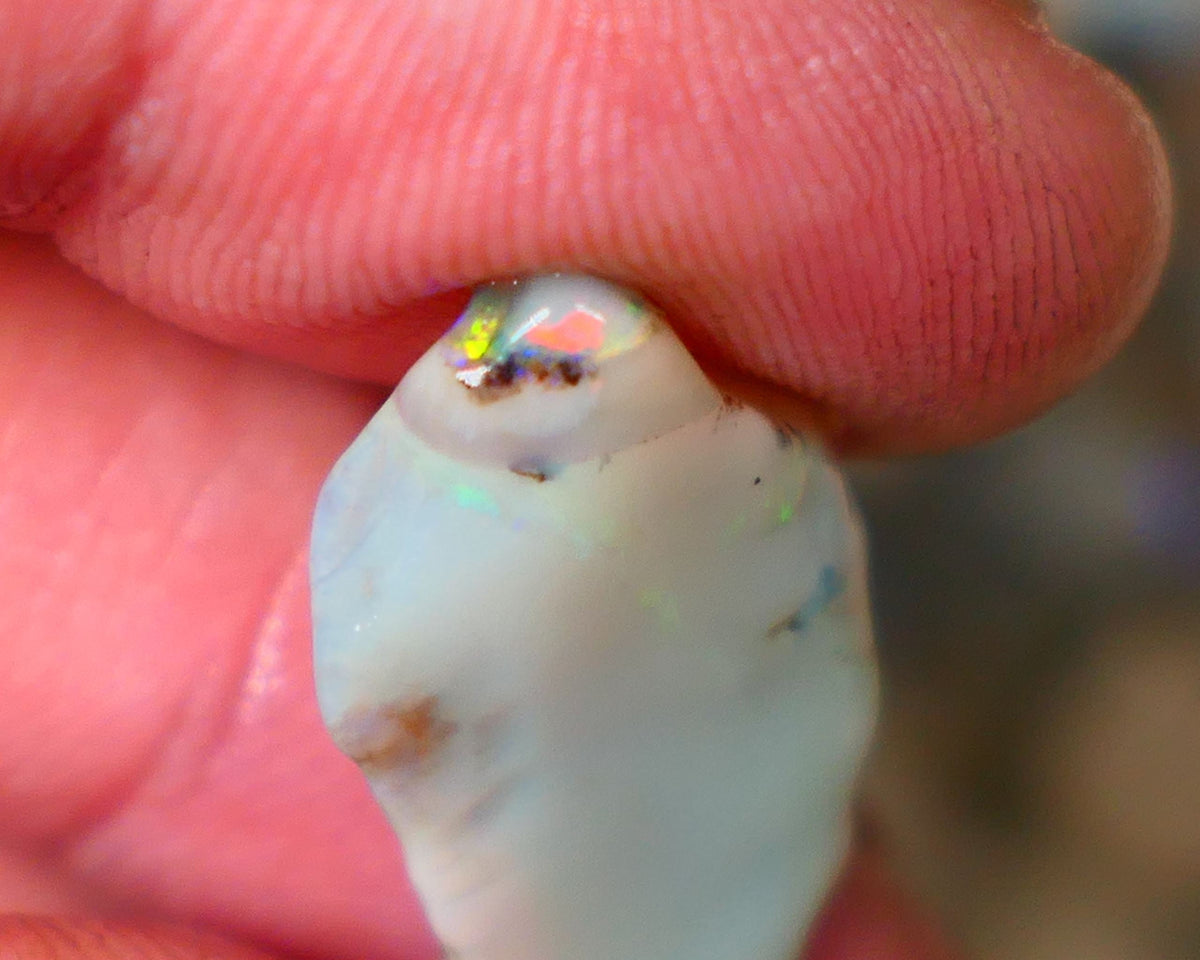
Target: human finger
[922, 222]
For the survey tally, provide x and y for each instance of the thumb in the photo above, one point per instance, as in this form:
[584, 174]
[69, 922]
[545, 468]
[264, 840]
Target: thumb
[927, 220]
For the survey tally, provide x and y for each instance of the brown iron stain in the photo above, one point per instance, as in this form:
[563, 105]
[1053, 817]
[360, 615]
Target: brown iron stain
[399, 735]
[533, 473]
[783, 625]
[505, 378]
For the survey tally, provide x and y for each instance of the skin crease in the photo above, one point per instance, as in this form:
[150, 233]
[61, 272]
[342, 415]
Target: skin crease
[914, 223]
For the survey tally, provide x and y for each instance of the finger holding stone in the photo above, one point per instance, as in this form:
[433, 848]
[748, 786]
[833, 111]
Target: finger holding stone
[925, 220]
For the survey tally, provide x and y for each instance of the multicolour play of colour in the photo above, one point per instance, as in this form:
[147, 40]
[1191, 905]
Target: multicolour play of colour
[500, 332]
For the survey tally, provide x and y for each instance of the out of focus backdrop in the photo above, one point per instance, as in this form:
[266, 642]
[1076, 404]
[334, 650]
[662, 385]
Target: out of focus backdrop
[1038, 609]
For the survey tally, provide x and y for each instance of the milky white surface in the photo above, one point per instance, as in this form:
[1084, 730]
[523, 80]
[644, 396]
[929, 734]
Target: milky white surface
[613, 714]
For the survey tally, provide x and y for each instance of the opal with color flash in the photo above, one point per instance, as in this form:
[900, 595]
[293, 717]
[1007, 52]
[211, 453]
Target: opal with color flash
[597, 636]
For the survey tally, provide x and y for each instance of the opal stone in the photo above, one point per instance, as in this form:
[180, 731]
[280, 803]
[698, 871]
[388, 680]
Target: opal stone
[597, 636]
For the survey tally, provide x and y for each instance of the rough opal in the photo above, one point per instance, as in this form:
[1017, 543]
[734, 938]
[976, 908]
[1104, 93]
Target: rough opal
[598, 638]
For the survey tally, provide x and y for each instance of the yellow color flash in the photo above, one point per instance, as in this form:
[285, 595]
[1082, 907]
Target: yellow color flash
[479, 336]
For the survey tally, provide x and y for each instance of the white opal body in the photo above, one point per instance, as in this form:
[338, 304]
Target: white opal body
[615, 714]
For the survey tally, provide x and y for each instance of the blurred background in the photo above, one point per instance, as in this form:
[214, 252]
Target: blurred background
[1038, 610]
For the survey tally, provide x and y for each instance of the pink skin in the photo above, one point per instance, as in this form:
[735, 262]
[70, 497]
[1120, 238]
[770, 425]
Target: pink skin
[917, 222]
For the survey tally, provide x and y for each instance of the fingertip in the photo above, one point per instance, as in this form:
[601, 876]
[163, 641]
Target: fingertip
[926, 223]
[67, 70]
[1008, 250]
